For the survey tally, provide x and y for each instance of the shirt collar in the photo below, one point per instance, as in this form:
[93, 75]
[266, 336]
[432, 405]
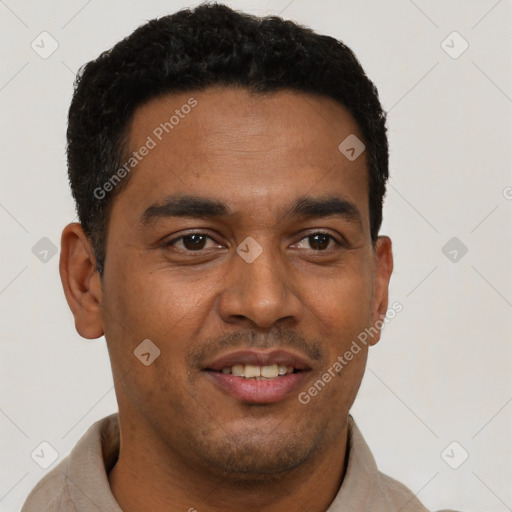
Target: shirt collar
[96, 453]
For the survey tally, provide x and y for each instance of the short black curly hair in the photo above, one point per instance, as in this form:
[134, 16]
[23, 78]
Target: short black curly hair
[210, 45]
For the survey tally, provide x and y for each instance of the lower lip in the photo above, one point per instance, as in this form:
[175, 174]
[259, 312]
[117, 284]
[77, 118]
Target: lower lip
[259, 391]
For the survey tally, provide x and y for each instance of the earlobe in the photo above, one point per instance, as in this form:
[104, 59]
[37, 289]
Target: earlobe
[81, 281]
[383, 271]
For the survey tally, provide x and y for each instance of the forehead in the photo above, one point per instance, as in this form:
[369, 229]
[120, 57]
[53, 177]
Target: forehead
[252, 151]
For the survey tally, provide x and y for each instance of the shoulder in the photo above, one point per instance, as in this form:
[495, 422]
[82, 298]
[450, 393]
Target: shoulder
[81, 475]
[381, 492]
[399, 496]
[51, 492]
[402, 497]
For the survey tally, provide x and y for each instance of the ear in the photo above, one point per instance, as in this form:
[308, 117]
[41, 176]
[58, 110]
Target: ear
[383, 269]
[81, 281]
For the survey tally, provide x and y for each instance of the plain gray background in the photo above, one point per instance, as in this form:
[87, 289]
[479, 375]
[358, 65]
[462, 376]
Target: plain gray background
[441, 373]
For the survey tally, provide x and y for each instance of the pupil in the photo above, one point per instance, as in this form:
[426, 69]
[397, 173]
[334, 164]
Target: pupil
[319, 245]
[197, 241]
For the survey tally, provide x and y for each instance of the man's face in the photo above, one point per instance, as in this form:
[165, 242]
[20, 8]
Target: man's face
[218, 299]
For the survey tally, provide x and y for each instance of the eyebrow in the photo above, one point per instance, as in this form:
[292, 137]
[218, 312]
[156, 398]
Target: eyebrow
[207, 208]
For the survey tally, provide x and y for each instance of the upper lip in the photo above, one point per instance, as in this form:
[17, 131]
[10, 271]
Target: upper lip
[258, 357]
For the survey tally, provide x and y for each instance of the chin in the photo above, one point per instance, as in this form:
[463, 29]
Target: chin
[247, 459]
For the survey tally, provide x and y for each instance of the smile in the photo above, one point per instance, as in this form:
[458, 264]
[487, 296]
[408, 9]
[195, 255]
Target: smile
[258, 376]
[250, 371]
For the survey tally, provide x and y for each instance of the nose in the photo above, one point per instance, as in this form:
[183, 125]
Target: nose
[261, 292]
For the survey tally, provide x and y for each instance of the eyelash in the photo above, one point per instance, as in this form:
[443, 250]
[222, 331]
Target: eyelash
[329, 235]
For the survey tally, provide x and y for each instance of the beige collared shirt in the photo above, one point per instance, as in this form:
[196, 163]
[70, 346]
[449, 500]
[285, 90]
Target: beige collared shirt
[79, 483]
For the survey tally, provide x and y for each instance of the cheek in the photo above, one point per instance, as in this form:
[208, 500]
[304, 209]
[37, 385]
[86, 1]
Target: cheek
[343, 304]
[144, 306]
[154, 303]
[342, 310]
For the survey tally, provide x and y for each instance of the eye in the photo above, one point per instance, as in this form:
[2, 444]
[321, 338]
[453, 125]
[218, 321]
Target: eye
[196, 241]
[320, 240]
[191, 242]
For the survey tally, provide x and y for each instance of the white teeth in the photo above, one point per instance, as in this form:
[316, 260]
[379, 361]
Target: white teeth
[252, 371]
[259, 372]
[238, 370]
[270, 372]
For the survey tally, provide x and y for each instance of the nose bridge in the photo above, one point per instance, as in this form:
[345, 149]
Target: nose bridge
[257, 285]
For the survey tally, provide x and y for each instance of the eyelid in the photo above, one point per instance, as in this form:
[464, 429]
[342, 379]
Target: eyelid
[190, 233]
[338, 243]
[335, 235]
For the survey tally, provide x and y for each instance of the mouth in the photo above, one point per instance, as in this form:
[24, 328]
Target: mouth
[258, 377]
[252, 371]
